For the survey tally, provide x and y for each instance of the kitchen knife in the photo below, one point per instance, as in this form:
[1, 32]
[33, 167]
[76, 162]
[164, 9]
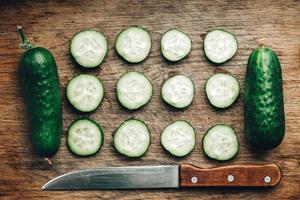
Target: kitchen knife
[167, 176]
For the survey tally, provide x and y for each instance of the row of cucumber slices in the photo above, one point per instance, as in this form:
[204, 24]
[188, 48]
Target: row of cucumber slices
[134, 90]
[133, 44]
[132, 139]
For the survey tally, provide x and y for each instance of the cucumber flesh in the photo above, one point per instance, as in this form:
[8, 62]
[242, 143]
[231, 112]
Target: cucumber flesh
[178, 91]
[220, 143]
[134, 90]
[89, 48]
[178, 138]
[84, 137]
[175, 45]
[132, 138]
[85, 92]
[134, 44]
[220, 46]
[222, 90]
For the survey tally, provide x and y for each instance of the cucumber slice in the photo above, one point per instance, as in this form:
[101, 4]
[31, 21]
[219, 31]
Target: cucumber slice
[175, 45]
[133, 44]
[132, 138]
[85, 92]
[220, 46]
[178, 138]
[178, 91]
[85, 137]
[89, 48]
[134, 90]
[220, 142]
[222, 90]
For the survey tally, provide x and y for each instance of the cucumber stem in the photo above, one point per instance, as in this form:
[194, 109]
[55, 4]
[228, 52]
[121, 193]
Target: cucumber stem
[261, 42]
[25, 41]
[48, 161]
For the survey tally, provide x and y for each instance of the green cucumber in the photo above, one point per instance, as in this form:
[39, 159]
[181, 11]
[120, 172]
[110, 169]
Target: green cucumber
[263, 100]
[40, 84]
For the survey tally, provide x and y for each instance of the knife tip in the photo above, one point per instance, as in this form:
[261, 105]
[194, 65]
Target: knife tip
[45, 186]
[49, 185]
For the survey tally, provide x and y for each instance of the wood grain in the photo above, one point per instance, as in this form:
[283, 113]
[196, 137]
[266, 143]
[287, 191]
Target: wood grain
[51, 24]
[227, 176]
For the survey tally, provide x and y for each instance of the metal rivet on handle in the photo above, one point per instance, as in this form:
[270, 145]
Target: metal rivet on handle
[267, 179]
[194, 179]
[230, 178]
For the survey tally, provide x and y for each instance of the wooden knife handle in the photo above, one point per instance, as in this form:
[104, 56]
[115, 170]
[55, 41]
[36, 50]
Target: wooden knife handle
[234, 175]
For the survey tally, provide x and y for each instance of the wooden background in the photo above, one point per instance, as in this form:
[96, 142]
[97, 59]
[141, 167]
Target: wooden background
[52, 24]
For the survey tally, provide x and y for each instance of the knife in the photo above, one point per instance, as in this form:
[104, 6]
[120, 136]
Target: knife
[167, 176]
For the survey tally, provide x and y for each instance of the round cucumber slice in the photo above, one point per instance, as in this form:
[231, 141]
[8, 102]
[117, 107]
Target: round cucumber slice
[175, 45]
[85, 92]
[134, 44]
[132, 138]
[89, 48]
[85, 137]
[134, 90]
[222, 90]
[178, 91]
[178, 138]
[220, 46]
[220, 142]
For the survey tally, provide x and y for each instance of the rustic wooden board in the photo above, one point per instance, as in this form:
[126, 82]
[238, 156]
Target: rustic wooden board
[52, 25]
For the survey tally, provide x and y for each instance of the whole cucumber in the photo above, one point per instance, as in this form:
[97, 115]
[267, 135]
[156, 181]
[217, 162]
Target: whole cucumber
[41, 88]
[263, 100]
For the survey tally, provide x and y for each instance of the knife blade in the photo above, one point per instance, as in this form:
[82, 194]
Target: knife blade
[167, 176]
[117, 178]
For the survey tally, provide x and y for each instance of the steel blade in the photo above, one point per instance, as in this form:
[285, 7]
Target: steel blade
[166, 176]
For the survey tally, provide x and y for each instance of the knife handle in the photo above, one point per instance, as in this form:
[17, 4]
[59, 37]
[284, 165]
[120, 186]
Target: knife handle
[233, 175]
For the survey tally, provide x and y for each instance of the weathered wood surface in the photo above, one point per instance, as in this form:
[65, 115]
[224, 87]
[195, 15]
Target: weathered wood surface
[52, 24]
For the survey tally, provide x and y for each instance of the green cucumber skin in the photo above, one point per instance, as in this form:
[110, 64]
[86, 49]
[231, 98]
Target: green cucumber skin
[40, 84]
[263, 100]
